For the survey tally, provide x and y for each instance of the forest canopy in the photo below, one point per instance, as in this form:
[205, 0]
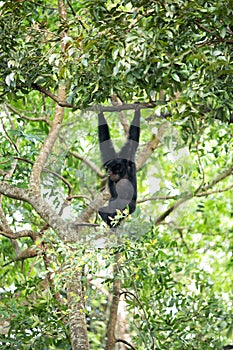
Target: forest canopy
[163, 279]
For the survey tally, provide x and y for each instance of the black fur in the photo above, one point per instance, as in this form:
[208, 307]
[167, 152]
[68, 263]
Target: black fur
[121, 169]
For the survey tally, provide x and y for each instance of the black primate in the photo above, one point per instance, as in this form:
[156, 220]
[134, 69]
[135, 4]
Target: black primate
[121, 169]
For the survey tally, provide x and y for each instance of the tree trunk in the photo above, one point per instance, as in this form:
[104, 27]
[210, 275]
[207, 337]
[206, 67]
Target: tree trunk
[122, 326]
[111, 340]
[77, 317]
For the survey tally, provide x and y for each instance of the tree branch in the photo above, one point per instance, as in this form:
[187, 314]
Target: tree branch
[48, 144]
[99, 201]
[98, 108]
[25, 254]
[214, 34]
[115, 102]
[126, 343]
[37, 119]
[38, 203]
[88, 162]
[205, 194]
[46, 170]
[150, 147]
[219, 178]
[55, 98]
[128, 106]
[157, 198]
[111, 340]
[9, 138]
[20, 234]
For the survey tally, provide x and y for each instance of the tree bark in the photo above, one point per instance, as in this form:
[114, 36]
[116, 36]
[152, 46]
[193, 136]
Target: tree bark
[78, 326]
[77, 317]
[111, 339]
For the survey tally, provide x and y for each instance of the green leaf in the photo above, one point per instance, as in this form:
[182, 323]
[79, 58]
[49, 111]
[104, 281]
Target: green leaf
[176, 77]
[223, 31]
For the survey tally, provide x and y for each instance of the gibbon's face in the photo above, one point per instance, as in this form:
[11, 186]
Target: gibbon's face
[116, 169]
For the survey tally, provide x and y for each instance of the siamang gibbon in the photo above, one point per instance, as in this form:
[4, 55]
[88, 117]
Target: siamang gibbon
[120, 168]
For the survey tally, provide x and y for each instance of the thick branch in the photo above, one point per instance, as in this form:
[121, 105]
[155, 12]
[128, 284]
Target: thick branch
[78, 326]
[48, 144]
[12, 192]
[20, 234]
[111, 340]
[46, 170]
[62, 103]
[25, 254]
[57, 99]
[150, 147]
[93, 206]
[38, 203]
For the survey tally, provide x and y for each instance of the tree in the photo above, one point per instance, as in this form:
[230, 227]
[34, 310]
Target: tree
[60, 64]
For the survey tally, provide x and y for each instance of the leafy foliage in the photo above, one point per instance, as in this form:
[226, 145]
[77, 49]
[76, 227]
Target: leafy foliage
[181, 48]
[175, 272]
[174, 302]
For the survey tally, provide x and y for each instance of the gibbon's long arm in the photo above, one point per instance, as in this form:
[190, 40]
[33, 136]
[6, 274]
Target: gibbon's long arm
[107, 150]
[129, 149]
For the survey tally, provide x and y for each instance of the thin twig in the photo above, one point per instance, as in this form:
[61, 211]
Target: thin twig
[9, 138]
[46, 170]
[88, 162]
[205, 194]
[37, 119]
[157, 198]
[219, 178]
[126, 343]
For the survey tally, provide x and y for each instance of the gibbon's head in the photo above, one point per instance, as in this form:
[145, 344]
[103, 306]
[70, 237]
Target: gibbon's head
[116, 169]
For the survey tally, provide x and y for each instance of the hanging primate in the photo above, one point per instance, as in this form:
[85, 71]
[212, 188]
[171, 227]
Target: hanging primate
[121, 169]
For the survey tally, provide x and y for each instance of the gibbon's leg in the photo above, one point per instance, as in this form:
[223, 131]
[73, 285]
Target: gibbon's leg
[125, 193]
